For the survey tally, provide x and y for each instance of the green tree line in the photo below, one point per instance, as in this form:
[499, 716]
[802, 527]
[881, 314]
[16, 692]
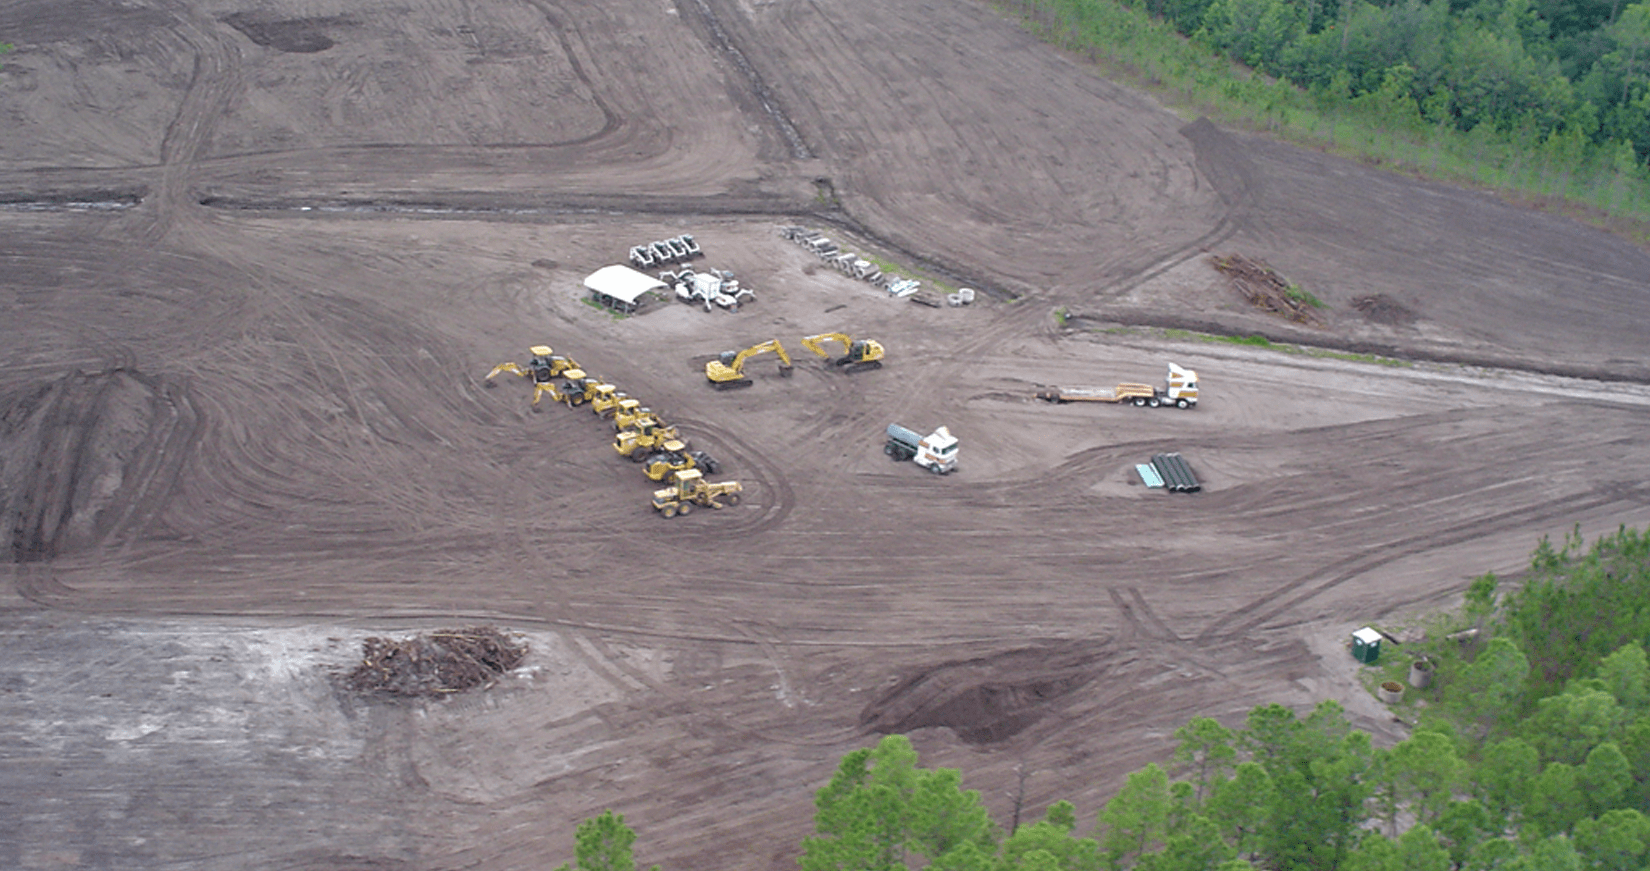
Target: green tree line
[1550, 97]
[1532, 753]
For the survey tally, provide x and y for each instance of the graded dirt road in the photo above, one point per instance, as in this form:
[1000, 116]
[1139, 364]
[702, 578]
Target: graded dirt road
[257, 259]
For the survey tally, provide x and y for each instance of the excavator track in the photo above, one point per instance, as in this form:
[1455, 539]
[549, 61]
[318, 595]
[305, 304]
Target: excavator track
[732, 385]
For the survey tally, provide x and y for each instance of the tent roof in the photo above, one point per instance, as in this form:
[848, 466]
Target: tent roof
[621, 282]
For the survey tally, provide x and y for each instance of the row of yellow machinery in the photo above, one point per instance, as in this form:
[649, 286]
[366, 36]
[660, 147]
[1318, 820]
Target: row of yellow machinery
[639, 433]
[727, 371]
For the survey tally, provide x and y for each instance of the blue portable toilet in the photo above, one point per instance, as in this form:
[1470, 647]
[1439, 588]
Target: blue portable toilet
[1366, 645]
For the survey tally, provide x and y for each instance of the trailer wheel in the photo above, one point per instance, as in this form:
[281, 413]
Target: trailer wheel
[1139, 402]
[1153, 402]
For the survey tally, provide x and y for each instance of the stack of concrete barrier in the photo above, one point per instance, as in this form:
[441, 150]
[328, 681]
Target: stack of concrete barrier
[664, 251]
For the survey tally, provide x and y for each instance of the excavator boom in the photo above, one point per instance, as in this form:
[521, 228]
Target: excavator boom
[729, 373]
[857, 356]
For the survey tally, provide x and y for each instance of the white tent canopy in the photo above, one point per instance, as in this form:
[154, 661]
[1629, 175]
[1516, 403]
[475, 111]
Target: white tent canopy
[621, 283]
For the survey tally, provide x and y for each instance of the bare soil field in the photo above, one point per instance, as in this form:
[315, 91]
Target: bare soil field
[256, 257]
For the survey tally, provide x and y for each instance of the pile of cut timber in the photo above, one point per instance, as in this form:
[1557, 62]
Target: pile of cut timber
[1265, 289]
[440, 662]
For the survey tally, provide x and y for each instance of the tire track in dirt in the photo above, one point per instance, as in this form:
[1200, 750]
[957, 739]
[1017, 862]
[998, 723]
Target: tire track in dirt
[216, 76]
[1279, 600]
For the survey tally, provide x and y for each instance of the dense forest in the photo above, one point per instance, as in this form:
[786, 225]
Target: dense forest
[1530, 751]
[1546, 97]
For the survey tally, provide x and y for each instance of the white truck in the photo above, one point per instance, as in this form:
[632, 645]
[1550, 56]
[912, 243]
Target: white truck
[1179, 390]
[936, 452]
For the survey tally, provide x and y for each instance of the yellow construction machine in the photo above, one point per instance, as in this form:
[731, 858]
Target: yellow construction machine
[542, 368]
[577, 388]
[631, 414]
[857, 356]
[608, 400]
[647, 437]
[689, 488]
[728, 371]
[675, 457]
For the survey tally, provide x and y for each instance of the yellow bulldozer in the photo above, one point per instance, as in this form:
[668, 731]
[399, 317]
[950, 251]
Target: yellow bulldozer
[858, 355]
[689, 488]
[727, 372]
[542, 368]
[631, 414]
[675, 457]
[608, 399]
[577, 388]
[646, 438]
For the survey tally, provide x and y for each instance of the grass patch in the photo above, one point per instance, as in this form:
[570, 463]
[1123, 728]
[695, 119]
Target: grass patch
[1302, 296]
[1255, 341]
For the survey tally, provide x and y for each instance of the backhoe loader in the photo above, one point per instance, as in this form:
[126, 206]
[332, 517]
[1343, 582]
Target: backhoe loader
[728, 371]
[689, 488]
[676, 457]
[543, 368]
[646, 438]
[858, 355]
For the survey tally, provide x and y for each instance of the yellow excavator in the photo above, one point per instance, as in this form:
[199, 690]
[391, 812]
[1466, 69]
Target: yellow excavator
[728, 371]
[857, 356]
[543, 368]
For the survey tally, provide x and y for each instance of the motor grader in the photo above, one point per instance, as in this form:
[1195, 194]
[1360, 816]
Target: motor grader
[858, 355]
[542, 368]
[727, 371]
[645, 439]
[689, 488]
[675, 458]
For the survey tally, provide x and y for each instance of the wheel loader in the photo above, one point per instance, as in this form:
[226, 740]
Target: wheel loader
[675, 458]
[727, 372]
[858, 356]
[689, 488]
[645, 439]
[542, 368]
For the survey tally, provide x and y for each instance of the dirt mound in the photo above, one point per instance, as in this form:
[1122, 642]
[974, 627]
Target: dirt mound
[85, 456]
[1265, 289]
[1383, 309]
[983, 700]
[440, 662]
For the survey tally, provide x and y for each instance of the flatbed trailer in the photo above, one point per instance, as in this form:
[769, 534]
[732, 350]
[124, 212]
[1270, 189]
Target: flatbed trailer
[1139, 394]
[1179, 389]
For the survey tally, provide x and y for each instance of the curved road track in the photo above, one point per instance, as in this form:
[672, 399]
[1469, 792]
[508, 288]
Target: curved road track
[256, 260]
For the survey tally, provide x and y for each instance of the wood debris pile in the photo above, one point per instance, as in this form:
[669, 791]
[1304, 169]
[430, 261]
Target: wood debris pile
[1265, 289]
[436, 663]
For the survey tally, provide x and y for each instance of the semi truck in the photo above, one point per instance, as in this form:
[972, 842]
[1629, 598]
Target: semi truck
[936, 452]
[1179, 390]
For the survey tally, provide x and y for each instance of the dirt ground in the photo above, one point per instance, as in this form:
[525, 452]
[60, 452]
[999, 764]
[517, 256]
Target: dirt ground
[258, 256]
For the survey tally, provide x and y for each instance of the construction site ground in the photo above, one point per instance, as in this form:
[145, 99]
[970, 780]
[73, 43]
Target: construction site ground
[257, 258]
